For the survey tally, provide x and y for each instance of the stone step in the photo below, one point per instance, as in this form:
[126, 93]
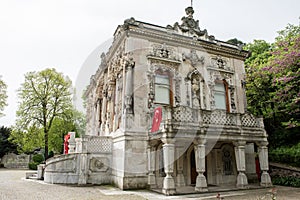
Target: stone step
[31, 175]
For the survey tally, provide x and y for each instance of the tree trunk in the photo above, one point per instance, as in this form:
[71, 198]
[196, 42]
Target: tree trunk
[46, 145]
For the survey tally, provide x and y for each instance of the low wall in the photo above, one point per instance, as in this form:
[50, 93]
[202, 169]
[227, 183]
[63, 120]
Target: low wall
[281, 170]
[13, 161]
[91, 164]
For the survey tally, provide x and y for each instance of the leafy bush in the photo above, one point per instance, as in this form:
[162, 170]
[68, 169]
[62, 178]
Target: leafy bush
[286, 181]
[288, 155]
[33, 165]
[38, 158]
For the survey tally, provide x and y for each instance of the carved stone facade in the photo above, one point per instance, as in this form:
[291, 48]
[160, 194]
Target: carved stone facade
[204, 136]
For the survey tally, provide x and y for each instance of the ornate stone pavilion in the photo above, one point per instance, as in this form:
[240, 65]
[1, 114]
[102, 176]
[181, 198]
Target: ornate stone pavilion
[201, 135]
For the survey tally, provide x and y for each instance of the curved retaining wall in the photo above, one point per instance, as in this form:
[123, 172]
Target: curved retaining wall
[79, 168]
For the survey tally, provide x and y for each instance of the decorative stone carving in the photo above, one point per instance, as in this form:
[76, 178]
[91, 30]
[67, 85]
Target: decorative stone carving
[177, 80]
[221, 63]
[129, 64]
[162, 51]
[190, 25]
[131, 21]
[232, 98]
[193, 58]
[99, 164]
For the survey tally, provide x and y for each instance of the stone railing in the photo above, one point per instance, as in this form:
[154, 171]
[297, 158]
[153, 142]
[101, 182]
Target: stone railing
[94, 144]
[187, 115]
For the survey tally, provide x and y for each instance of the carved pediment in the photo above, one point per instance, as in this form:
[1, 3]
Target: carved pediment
[163, 53]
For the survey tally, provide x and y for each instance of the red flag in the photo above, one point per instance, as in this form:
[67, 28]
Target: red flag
[66, 144]
[157, 117]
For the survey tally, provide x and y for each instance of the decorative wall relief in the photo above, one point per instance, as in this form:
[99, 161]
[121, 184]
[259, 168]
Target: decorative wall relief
[193, 58]
[163, 51]
[221, 63]
[99, 164]
[177, 80]
[198, 91]
[232, 98]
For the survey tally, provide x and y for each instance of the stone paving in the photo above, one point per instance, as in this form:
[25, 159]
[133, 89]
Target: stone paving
[14, 186]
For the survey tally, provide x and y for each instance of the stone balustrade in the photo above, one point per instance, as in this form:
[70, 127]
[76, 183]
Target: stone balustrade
[195, 117]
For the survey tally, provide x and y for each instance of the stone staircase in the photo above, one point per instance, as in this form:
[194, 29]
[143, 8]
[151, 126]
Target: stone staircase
[32, 175]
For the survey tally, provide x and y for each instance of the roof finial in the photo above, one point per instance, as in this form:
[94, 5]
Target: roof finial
[191, 3]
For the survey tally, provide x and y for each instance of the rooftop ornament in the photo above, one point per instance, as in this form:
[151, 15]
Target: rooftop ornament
[190, 25]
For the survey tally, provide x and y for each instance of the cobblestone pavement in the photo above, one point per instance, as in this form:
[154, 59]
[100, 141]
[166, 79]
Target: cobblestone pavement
[13, 185]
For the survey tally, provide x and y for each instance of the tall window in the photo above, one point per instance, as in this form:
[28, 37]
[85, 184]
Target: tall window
[162, 89]
[220, 95]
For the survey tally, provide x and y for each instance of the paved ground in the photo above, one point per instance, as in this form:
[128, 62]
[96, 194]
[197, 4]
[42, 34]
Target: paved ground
[13, 186]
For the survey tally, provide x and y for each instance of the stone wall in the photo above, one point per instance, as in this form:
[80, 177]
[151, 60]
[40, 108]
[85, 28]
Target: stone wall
[12, 160]
[89, 164]
[284, 171]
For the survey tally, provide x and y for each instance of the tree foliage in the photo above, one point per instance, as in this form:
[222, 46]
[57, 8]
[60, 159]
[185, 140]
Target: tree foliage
[5, 145]
[273, 84]
[44, 96]
[3, 96]
[27, 140]
[32, 138]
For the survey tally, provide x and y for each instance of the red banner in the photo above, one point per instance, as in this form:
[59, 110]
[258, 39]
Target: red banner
[157, 117]
[66, 144]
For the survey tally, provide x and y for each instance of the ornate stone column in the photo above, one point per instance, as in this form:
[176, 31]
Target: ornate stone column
[264, 164]
[179, 156]
[129, 64]
[201, 183]
[242, 180]
[169, 153]
[151, 164]
[103, 112]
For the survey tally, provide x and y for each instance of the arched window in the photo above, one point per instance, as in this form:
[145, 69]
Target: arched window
[221, 95]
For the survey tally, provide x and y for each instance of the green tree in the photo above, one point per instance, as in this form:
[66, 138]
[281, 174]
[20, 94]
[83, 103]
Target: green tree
[3, 96]
[258, 81]
[273, 85]
[61, 127]
[5, 145]
[284, 65]
[44, 96]
[27, 139]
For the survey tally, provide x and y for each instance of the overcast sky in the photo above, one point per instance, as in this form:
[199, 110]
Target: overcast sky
[38, 34]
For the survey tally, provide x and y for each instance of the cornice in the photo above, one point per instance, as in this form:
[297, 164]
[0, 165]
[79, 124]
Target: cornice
[175, 39]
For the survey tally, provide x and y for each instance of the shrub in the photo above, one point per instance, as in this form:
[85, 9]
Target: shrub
[288, 155]
[33, 165]
[38, 158]
[286, 181]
